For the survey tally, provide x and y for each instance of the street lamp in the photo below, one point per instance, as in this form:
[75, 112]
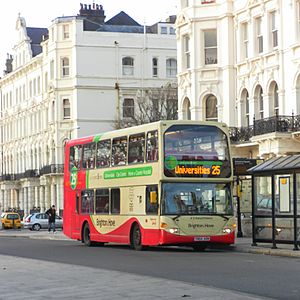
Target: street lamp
[70, 131]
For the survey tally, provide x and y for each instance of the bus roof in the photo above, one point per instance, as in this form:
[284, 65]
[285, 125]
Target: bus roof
[142, 128]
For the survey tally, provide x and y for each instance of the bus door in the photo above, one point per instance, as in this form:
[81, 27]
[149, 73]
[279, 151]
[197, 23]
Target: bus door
[75, 215]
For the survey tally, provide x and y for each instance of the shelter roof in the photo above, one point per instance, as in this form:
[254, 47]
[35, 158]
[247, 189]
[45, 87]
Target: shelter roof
[278, 164]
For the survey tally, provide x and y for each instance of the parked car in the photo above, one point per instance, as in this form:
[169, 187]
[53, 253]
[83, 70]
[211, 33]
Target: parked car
[37, 221]
[10, 220]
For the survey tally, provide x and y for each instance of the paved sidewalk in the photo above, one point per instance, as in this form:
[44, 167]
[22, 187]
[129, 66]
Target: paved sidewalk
[241, 245]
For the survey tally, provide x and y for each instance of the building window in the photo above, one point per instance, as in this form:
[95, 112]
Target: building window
[171, 67]
[259, 35]
[66, 33]
[247, 109]
[185, 3]
[154, 67]
[163, 30]
[276, 100]
[245, 41]
[210, 47]
[261, 103]
[211, 110]
[187, 54]
[172, 31]
[52, 69]
[67, 109]
[128, 66]
[274, 30]
[128, 108]
[65, 66]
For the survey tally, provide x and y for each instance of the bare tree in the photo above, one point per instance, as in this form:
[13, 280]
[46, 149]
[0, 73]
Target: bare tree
[151, 105]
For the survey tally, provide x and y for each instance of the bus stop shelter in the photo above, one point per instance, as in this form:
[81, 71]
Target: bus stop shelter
[276, 201]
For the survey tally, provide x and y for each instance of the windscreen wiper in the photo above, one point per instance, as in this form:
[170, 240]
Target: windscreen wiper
[176, 217]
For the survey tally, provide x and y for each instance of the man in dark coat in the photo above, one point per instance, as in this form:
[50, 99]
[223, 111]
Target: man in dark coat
[51, 212]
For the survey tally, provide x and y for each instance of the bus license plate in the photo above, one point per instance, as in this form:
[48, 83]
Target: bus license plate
[201, 238]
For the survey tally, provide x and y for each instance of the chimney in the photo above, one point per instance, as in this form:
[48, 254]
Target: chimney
[8, 64]
[94, 13]
[171, 19]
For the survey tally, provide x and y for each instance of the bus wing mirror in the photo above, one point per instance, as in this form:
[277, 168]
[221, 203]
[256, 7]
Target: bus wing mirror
[153, 197]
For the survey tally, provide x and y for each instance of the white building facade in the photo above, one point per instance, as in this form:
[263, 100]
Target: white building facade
[75, 78]
[239, 62]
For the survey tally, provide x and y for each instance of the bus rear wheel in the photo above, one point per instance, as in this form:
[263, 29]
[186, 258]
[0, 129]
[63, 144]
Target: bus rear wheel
[136, 238]
[86, 235]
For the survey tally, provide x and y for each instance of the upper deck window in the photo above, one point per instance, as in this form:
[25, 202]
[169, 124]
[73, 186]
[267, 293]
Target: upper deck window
[195, 149]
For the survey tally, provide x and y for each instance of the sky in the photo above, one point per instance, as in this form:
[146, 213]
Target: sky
[40, 13]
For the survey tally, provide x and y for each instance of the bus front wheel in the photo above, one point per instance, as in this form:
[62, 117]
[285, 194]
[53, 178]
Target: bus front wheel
[86, 235]
[136, 238]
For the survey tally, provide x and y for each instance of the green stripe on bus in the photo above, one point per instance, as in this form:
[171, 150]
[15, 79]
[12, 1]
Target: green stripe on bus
[97, 138]
[87, 179]
[127, 173]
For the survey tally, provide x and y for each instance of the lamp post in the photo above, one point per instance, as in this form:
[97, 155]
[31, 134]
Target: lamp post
[72, 129]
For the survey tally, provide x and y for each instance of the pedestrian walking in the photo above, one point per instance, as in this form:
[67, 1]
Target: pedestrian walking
[51, 212]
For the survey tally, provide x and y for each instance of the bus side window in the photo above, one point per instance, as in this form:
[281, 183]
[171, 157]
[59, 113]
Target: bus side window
[152, 146]
[115, 201]
[75, 157]
[119, 151]
[151, 208]
[102, 201]
[88, 159]
[136, 149]
[103, 154]
[87, 202]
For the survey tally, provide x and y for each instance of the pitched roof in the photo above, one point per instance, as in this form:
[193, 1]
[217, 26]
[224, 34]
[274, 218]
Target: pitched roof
[122, 19]
[36, 37]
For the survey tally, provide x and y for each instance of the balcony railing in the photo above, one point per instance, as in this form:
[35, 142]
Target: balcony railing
[52, 169]
[263, 126]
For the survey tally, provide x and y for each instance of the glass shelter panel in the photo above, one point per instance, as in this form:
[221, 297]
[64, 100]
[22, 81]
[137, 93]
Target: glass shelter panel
[263, 228]
[263, 195]
[298, 199]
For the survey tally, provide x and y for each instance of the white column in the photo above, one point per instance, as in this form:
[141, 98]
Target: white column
[59, 193]
[5, 200]
[36, 197]
[30, 197]
[47, 202]
[21, 198]
[42, 199]
[26, 210]
[53, 194]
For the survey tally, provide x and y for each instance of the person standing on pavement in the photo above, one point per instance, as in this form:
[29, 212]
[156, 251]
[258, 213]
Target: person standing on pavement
[51, 212]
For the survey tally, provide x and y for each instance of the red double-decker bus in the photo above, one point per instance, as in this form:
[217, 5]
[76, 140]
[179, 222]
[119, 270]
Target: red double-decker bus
[164, 183]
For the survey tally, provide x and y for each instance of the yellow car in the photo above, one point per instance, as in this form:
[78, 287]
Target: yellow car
[10, 220]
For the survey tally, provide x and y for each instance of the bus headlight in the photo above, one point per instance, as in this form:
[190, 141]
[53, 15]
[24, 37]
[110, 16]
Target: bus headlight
[227, 230]
[174, 230]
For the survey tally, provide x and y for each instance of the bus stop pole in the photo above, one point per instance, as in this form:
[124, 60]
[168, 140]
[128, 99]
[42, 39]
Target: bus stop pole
[238, 198]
